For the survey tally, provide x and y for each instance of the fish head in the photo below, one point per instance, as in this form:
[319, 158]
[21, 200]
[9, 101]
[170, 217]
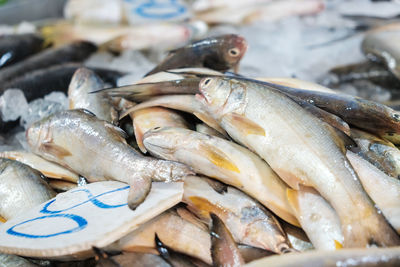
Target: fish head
[233, 49]
[162, 141]
[38, 133]
[222, 95]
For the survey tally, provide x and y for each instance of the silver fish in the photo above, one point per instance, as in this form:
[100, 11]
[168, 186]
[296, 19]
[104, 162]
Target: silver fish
[98, 151]
[21, 188]
[301, 149]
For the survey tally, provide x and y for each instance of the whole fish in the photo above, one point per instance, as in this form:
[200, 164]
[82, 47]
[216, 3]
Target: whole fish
[82, 84]
[363, 114]
[176, 81]
[219, 53]
[41, 82]
[186, 103]
[301, 149]
[74, 52]
[342, 257]
[380, 152]
[16, 47]
[47, 168]
[225, 161]
[383, 189]
[380, 44]
[176, 232]
[224, 250]
[317, 218]
[249, 222]
[149, 118]
[21, 188]
[97, 150]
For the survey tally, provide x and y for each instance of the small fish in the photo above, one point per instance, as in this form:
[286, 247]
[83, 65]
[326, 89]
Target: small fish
[74, 52]
[150, 118]
[186, 103]
[342, 257]
[317, 218]
[301, 149]
[224, 250]
[97, 150]
[41, 82]
[47, 168]
[249, 222]
[22, 188]
[380, 152]
[82, 84]
[176, 81]
[225, 161]
[176, 232]
[219, 53]
[383, 189]
[380, 45]
[16, 47]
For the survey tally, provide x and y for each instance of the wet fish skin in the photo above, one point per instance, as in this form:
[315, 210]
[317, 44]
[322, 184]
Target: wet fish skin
[383, 189]
[74, 52]
[252, 115]
[38, 83]
[154, 117]
[97, 150]
[219, 53]
[249, 222]
[83, 82]
[381, 153]
[16, 47]
[317, 218]
[225, 161]
[21, 188]
[367, 115]
[224, 250]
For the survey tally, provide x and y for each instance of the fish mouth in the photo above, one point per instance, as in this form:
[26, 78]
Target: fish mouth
[201, 98]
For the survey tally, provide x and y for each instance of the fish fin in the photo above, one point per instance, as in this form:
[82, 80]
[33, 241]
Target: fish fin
[218, 158]
[290, 179]
[244, 125]
[338, 245]
[138, 191]
[115, 130]
[292, 197]
[220, 188]
[210, 122]
[55, 150]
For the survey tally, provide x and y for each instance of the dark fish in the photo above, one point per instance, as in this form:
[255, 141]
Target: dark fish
[218, 53]
[74, 52]
[41, 82]
[224, 250]
[16, 47]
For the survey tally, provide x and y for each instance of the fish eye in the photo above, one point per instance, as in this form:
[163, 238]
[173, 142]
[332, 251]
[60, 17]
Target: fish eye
[207, 81]
[156, 128]
[234, 52]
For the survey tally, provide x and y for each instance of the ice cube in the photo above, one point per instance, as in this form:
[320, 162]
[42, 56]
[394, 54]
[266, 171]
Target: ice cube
[58, 97]
[12, 104]
[39, 109]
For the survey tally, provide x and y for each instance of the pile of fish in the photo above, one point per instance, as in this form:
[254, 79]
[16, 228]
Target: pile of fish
[218, 168]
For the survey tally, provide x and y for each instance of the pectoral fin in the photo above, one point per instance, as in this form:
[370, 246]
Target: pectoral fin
[218, 158]
[243, 124]
[55, 150]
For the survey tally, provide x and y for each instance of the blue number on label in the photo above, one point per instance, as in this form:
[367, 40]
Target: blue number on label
[82, 223]
[157, 10]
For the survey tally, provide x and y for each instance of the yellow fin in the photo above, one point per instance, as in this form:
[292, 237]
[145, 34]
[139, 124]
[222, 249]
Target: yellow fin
[338, 245]
[55, 150]
[205, 207]
[292, 199]
[218, 158]
[245, 125]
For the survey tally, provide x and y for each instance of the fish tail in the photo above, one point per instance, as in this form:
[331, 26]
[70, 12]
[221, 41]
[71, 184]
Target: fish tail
[368, 232]
[139, 189]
